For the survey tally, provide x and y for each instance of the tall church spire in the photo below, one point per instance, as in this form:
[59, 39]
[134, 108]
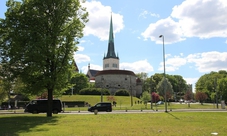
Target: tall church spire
[111, 51]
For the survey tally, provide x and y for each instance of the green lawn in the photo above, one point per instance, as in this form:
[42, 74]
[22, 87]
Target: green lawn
[144, 124]
[93, 99]
[124, 102]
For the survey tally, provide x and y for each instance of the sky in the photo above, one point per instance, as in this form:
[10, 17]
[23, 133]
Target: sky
[194, 31]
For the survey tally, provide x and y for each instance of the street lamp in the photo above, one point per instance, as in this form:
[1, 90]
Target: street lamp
[102, 79]
[162, 36]
[130, 88]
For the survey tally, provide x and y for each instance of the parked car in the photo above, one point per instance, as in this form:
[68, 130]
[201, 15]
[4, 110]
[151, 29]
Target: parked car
[41, 105]
[102, 106]
[181, 100]
[160, 102]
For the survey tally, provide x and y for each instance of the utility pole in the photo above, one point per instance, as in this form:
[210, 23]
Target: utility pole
[216, 94]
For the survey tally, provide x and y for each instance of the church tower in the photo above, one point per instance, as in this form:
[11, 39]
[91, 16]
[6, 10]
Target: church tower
[111, 61]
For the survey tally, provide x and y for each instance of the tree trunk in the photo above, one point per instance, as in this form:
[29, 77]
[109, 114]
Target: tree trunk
[50, 102]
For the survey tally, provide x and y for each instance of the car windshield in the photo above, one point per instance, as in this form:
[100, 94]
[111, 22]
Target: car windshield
[98, 105]
[32, 102]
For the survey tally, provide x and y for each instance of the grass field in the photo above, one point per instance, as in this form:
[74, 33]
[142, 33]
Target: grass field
[93, 99]
[137, 124]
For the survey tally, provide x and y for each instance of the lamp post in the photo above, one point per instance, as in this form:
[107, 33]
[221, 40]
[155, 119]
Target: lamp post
[130, 89]
[102, 79]
[131, 92]
[162, 36]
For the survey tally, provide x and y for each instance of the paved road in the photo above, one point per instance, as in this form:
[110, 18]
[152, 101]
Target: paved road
[123, 111]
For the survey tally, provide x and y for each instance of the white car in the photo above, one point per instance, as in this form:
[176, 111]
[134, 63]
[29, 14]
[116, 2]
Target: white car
[160, 102]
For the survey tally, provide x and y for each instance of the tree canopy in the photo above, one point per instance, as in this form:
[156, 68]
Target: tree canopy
[213, 83]
[38, 39]
[163, 86]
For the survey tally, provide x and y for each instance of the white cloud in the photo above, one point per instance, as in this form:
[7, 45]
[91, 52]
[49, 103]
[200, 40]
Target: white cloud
[173, 64]
[137, 67]
[99, 20]
[81, 58]
[191, 80]
[192, 18]
[80, 48]
[202, 18]
[144, 14]
[204, 62]
[167, 27]
[92, 66]
[209, 61]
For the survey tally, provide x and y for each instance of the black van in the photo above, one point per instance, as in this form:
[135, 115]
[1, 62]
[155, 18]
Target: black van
[41, 105]
[102, 106]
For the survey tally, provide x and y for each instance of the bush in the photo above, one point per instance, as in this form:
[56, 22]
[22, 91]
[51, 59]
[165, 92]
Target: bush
[94, 91]
[122, 92]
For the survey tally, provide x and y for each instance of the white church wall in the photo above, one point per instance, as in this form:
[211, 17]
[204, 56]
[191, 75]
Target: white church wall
[114, 82]
[111, 64]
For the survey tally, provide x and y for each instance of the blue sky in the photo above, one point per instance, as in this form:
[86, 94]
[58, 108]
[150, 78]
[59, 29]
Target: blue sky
[195, 36]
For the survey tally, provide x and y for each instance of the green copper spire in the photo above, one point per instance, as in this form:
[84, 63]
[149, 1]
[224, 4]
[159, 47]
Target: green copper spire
[111, 52]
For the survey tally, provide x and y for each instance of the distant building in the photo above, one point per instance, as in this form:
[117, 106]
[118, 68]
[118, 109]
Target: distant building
[111, 77]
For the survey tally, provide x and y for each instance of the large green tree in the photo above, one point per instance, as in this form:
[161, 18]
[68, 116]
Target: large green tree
[178, 83]
[39, 37]
[79, 81]
[213, 84]
[222, 88]
[164, 87]
[145, 80]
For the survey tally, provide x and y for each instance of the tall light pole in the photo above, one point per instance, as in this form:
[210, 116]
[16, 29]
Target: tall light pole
[130, 88]
[102, 79]
[131, 92]
[162, 36]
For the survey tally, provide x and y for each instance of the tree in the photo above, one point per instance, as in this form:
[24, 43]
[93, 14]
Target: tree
[222, 88]
[163, 85]
[78, 81]
[7, 81]
[145, 98]
[212, 83]
[145, 80]
[155, 97]
[179, 85]
[188, 97]
[3, 93]
[40, 39]
[201, 97]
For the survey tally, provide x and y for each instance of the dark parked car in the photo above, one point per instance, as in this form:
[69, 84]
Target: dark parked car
[102, 106]
[41, 105]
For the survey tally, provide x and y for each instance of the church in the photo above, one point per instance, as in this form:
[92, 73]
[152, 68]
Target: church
[111, 77]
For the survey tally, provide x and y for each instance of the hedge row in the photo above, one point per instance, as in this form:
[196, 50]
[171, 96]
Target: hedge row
[94, 91]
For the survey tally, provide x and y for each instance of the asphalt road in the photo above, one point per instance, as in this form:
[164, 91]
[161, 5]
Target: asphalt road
[122, 111]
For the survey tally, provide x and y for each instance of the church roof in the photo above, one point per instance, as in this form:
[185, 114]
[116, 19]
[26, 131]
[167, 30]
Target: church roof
[93, 72]
[111, 52]
[120, 72]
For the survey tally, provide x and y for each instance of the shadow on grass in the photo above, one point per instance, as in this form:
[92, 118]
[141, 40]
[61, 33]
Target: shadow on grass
[13, 125]
[173, 116]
